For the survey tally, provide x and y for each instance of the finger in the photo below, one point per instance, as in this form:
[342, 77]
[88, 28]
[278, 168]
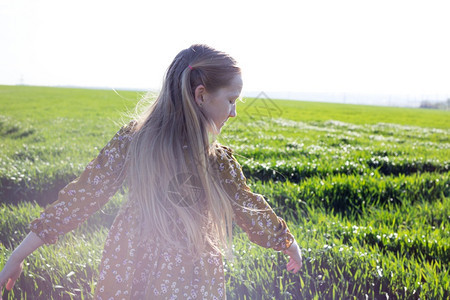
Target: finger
[12, 281]
[289, 265]
[10, 284]
[293, 266]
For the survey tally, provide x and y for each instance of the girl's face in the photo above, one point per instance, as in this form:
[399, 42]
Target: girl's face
[221, 105]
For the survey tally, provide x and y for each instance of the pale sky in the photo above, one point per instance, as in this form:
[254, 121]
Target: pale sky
[372, 47]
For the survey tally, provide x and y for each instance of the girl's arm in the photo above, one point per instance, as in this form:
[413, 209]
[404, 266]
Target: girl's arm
[14, 265]
[255, 216]
[88, 193]
[76, 202]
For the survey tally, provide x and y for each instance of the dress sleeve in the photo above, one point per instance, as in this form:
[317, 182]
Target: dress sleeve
[251, 211]
[85, 195]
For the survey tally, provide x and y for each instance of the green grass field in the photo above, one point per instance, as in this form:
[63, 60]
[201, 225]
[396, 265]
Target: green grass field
[364, 189]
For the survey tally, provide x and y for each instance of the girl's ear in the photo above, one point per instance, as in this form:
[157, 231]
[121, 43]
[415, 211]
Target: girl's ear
[200, 91]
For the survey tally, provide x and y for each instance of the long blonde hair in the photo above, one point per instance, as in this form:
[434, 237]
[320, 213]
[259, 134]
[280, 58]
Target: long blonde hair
[171, 172]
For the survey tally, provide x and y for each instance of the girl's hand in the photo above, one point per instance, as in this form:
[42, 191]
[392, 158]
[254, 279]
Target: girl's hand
[14, 266]
[295, 258]
[11, 271]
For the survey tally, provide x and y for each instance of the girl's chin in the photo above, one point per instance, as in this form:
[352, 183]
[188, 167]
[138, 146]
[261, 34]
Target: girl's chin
[217, 129]
[214, 131]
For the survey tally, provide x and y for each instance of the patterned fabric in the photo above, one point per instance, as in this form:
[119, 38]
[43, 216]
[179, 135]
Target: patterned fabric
[137, 266]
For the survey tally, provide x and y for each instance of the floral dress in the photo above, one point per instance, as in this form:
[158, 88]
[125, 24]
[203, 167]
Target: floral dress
[137, 266]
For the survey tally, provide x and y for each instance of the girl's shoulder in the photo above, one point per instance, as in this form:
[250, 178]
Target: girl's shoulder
[123, 136]
[229, 168]
[224, 148]
[225, 158]
[129, 127]
[127, 131]
[223, 152]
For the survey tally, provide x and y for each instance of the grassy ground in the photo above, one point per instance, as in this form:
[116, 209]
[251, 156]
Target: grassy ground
[364, 189]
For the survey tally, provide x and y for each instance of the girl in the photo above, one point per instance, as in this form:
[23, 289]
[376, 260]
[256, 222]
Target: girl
[185, 190]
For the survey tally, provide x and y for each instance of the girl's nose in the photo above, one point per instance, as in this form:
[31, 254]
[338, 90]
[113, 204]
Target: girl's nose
[233, 111]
